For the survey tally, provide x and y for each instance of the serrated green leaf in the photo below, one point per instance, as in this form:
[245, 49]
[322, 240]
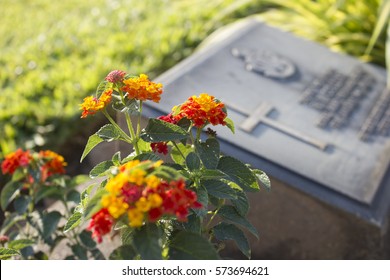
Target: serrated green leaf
[86, 239]
[50, 222]
[219, 189]
[21, 204]
[213, 174]
[265, 182]
[224, 231]
[6, 253]
[19, 244]
[208, 153]
[124, 252]
[147, 156]
[143, 146]
[192, 162]
[8, 193]
[239, 173]
[101, 169]
[230, 214]
[161, 131]
[191, 246]
[230, 124]
[93, 140]
[109, 133]
[241, 203]
[202, 198]
[73, 221]
[179, 153]
[147, 241]
[127, 235]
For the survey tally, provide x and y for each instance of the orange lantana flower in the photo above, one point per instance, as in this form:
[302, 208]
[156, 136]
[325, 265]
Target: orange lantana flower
[142, 88]
[203, 110]
[91, 104]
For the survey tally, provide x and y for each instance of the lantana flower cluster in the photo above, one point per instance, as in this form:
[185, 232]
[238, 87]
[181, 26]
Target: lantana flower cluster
[138, 88]
[48, 162]
[137, 194]
[200, 110]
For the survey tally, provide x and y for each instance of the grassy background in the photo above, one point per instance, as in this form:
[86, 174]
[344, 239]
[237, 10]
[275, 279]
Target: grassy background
[54, 53]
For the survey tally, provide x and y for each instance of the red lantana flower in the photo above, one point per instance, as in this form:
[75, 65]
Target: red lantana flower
[14, 160]
[101, 224]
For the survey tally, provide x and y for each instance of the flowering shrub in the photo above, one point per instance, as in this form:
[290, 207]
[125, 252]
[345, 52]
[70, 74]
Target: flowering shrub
[183, 209]
[30, 227]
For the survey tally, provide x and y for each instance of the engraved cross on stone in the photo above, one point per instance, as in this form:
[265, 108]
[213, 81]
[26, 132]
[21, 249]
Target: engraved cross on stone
[260, 116]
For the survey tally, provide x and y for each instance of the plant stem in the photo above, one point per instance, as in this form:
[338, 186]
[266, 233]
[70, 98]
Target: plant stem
[124, 135]
[132, 133]
[212, 217]
[198, 132]
[139, 118]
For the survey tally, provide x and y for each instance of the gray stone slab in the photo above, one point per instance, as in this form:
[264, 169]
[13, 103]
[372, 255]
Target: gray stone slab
[308, 116]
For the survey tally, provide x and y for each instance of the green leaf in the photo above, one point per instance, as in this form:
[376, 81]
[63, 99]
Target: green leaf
[18, 175]
[124, 252]
[239, 173]
[191, 246]
[147, 241]
[73, 221]
[127, 235]
[86, 239]
[229, 213]
[265, 182]
[144, 146]
[219, 189]
[147, 156]
[241, 203]
[208, 174]
[109, 133]
[224, 231]
[103, 85]
[73, 196]
[21, 204]
[230, 124]
[192, 161]
[8, 193]
[116, 159]
[208, 153]
[101, 169]
[93, 140]
[20, 243]
[78, 180]
[50, 222]
[203, 198]
[178, 152]
[79, 251]
[193, 224]
[93, 205]
[6, 253]
[161, 131]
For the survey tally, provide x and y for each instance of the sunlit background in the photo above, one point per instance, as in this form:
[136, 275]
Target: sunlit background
[54, 53]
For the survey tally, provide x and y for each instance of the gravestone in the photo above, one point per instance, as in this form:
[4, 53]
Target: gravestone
[316, 121]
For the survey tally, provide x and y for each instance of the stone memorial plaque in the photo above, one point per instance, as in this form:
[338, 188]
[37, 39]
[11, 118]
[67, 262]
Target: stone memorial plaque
[315, 119]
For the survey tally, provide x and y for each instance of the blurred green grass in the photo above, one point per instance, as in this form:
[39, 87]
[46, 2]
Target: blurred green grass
[54, 53]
